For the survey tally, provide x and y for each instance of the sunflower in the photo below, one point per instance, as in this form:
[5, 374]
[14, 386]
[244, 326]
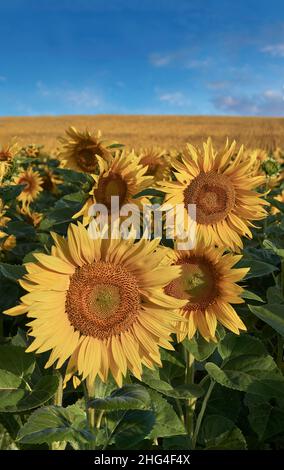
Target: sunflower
[32, 217]
[100, 303]
[208, 283]
[157, 161]
[280, 198]
[7, 153]
[3, 219]
[8, 243]
[123, 176]
[31, 151]
[50, 180]
[81, 149]
[33, 185]
[222, 190]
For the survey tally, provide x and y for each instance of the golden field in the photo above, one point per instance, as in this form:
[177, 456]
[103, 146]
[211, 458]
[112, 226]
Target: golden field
[139, 131]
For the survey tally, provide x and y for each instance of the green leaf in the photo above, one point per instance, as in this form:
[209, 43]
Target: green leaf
[270, 246]
[10, 192]
[272, 314]
[246, 294]
[17, 395]
[181, 392]
[220, 433]
[200, 348]
[129, 397]
[225, 402]
[265, 418]
[252, 374]
[6, 441]
[234, 346]
[14, 359]
[257, 268]
[54, 423]
[274, 295]
[21, 230]
[133, 429]
[13, 272]
[167, 423]
[150, 192]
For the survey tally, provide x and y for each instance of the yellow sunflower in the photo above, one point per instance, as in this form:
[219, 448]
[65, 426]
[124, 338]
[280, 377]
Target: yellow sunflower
[7, 153]
[8, 243]
[123, 176]
[33, 185]
[222, 190]
[32, 217]
[101, 304]
[3, 219]
[158, 162]
[81, 149]
[280, 198]
[208, 283]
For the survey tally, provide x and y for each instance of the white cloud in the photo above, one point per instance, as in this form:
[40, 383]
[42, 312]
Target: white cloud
[267, 103]
[176, 98]
[180, 57]
[83, 99]
[276, 50]
[160, 60]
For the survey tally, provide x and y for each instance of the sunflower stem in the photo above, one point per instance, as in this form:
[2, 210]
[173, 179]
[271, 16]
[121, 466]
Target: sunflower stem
[90, 413]
[189, 380]
[58, 398]
[201, 414]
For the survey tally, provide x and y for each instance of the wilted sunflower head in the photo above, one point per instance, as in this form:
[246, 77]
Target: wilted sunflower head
[158, 162]
[101, 304]
[31, 151]
[81, 149]
[207, 282]
[123, 176]
[50, 180]
[223, 190]
[32, 217]
[32, 182]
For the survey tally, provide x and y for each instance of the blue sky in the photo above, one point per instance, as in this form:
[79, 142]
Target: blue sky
[142, 57]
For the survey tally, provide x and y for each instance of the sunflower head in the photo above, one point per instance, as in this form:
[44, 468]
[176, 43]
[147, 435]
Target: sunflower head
[81, 149]
[8, 243]
[271, 167]
[32, 217]
[50, 180]
[32, 182]
[158, 162]
[123, 176]
[31, 151]
[207, 282]
[222, 187]
[101, 304]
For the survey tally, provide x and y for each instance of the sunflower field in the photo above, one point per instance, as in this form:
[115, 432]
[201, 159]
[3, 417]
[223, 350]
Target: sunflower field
[126, 343]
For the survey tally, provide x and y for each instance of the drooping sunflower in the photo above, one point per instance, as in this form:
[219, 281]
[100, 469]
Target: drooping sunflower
[158, 162]
[33, 185]
[50, 180]
[123, 176]
[280, 198]
[3, 219]
[8, 243]
[208, 282]
[32, 217]
[100, 303]
[222, 190]
[81, 149]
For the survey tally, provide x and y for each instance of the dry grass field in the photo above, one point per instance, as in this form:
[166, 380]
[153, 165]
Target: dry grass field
[137, 131]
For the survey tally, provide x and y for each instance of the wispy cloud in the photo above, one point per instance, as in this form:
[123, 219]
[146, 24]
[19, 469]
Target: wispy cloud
[218, 84]
[3, 78]
[82, 99]
[276, 50]
[176, 98]
[268, 103]
[181, 57]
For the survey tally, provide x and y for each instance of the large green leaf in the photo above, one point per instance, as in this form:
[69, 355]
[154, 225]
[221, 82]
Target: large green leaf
[234, 346]
[129, 397]
[265, 417]
[13, 272]
[17, 395]
[182, 392]
[167, 422]
[14, 359]
[54, 423]
[257, 268]
[220, 433]
[272, 314]
[133, 429]
[253, 374]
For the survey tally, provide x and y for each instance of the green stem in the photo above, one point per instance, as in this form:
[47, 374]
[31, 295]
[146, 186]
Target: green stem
[189, 380]
[90, 414]
[58, 398]
[201, 414]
